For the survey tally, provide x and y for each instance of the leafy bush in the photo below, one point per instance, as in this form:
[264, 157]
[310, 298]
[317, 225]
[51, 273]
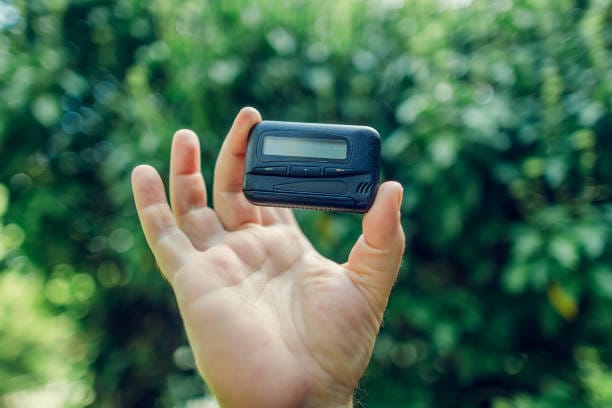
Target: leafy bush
[495, 116]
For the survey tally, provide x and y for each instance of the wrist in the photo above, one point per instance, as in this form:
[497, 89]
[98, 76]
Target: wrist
[330, 397]
[318, 403]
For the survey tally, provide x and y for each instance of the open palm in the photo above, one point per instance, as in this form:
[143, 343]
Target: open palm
[271, 322]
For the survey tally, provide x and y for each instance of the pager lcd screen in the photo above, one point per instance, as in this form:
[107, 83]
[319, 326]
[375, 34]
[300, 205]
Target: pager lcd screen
[335, 149]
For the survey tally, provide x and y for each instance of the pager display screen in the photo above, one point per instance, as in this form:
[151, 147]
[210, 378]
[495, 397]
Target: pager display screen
[335, 149]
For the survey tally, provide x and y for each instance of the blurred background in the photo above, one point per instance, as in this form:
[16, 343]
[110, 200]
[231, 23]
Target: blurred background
[496, 116]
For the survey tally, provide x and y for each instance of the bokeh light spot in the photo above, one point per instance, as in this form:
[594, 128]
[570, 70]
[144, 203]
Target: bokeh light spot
[121, 240]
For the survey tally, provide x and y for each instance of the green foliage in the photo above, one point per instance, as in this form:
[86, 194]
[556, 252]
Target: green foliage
[495, 116]
[39, 346]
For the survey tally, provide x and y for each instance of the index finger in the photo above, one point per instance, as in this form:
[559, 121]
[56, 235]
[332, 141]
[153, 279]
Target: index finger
[231, 205]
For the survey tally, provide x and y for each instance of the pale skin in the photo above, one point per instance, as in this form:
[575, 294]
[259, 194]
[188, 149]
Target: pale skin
[271, 322]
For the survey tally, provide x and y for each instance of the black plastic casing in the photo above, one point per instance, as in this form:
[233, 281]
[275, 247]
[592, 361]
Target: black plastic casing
[347, 185]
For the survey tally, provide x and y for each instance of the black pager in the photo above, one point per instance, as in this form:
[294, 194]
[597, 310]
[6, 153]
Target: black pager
[312, 165]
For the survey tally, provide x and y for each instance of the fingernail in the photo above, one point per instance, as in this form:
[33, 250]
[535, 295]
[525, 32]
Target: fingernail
[400, 197]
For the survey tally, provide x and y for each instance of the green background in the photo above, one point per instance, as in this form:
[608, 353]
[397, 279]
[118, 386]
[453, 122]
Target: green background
[495, 116]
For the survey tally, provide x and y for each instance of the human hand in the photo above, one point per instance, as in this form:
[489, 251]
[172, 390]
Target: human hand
[271, 322]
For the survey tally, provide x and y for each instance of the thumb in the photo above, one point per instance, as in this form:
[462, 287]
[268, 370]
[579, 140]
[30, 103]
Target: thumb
[375, 259]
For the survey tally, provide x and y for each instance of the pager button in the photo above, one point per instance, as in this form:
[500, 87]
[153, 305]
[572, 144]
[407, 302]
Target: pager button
[337, 171]
[270, 171]
[305, 171]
